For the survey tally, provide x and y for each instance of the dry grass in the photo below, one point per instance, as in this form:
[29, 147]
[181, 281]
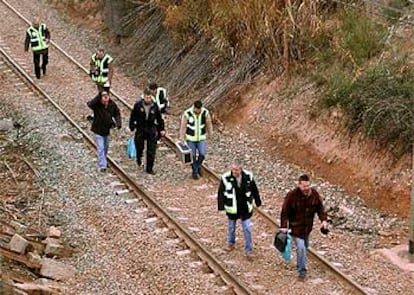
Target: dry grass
[275, 30]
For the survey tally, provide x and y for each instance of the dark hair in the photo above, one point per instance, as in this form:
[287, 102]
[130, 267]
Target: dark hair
[147, 91]
[153, 86]
[101, 92]
[198, 104]
[303, 177]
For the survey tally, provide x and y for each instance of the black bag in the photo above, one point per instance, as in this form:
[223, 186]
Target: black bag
[280, 241]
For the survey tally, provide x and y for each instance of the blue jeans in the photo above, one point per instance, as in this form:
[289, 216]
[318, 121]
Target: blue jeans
[102, 145]
[231, 234]
[301, 248]
[201, 148]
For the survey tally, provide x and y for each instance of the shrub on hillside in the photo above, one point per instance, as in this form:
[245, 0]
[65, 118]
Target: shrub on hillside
[380, 103]
[361, 36]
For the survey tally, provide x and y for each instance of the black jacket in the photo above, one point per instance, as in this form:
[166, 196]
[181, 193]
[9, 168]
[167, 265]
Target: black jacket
[247, 185]
[141, 124]
[104, 117]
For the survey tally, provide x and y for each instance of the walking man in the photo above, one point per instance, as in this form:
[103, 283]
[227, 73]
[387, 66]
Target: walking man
[101, 70]
[298, 212]
[235, 195]
[106, 115]
[160, 98]
[144, 121]
[195, 124]
[38, 38]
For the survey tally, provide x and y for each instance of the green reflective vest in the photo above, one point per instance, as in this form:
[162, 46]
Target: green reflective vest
[102, 68]
[37, 38]
[230, 203]
[196, 125]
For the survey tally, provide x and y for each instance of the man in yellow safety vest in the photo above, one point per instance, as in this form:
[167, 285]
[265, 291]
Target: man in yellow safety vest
[195, 124]
[38, 38]
[101, 70]
[236, 194]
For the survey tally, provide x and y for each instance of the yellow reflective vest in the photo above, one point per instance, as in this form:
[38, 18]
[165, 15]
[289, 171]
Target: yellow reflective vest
[37, 38]
[196, 125]
[102, 68]
[230, 202]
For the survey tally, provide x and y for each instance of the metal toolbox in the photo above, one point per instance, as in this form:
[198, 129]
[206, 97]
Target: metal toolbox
[184, 152]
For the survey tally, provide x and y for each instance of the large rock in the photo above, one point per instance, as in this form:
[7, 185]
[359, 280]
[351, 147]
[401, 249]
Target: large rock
[53, 247]
[53, 232]
[32, 287]
[56, 270]
[34, 258]
[6, 124]
[18, 244]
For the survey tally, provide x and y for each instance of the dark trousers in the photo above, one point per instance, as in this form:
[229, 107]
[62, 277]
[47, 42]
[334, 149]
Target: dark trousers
[36, 61]
[151, 139]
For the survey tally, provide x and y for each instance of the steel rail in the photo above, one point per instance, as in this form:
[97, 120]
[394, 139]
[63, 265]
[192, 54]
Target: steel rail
[171, 222]
[170, 142]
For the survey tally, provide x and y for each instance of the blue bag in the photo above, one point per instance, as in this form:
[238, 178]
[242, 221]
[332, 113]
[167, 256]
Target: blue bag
[131, 151]
[286, 254]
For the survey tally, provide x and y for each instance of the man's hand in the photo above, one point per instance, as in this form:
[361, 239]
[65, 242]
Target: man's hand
[131, 133]
[324, 227]
[162, 133]
[283, 230]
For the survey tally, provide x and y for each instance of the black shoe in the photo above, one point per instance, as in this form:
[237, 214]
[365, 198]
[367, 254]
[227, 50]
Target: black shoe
[44, 70]
[200, 172]
[195, 176]
[150, 172]
[102, 170]
[139, 162]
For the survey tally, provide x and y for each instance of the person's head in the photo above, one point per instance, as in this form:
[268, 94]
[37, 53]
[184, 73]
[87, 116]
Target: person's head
[100, 53]
[197, 107]
[147, 96]
[35, 24]
[236, 168]
[104, 98]
[153, 86]
[304, 184]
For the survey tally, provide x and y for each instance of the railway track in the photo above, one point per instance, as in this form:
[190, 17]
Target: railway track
[140, 192]
[170, 220]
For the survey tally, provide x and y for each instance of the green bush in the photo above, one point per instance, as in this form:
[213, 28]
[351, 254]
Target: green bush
[361, 36]
[338, 84]
[380, 103]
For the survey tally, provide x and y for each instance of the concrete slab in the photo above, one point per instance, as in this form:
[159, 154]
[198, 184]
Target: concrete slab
[399, 256]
